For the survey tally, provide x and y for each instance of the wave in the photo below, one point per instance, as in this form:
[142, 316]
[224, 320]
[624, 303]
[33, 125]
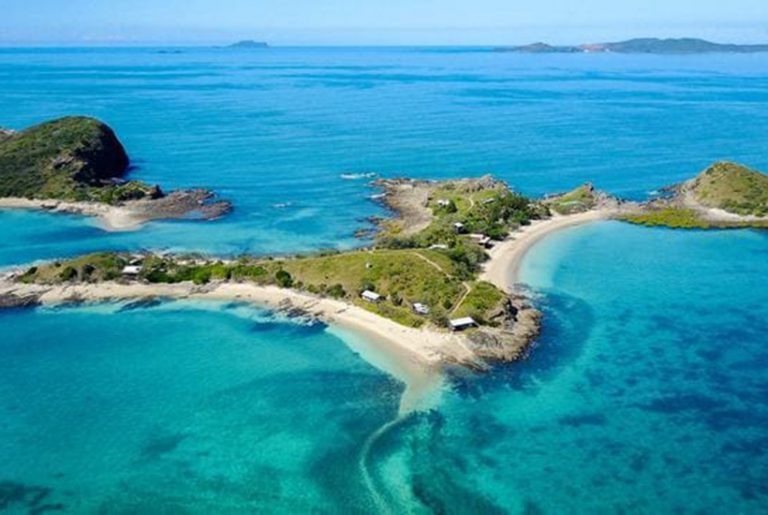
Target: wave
[358, 176]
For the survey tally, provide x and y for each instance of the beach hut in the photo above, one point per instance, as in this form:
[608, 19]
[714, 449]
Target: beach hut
[371, 296]
[458, 228]
[459, 324]
[438, 246]
[131, 270]
[421, 309]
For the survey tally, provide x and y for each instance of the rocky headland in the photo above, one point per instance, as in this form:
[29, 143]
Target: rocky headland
[78, 165]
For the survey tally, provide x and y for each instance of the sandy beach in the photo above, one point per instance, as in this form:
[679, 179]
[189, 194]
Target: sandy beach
[111, 218]
[503, 267]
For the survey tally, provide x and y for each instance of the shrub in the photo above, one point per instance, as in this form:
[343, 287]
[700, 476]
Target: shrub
[336, 291]
[68, 274]
[201, 275]
[284, 279]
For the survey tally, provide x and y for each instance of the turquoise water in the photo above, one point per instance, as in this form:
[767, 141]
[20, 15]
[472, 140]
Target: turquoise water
[646, 394]
[202, 407]
[280, 127]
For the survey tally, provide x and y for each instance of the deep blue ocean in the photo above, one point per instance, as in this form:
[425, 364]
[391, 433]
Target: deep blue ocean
[647, 393]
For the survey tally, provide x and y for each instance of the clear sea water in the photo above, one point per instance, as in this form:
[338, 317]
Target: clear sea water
[648, 392]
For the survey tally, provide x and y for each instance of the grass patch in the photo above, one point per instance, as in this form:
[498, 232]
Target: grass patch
[734, 188]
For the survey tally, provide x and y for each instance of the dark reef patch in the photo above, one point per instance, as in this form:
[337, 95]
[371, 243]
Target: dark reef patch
[31, 498]
[586, 419]
[160, 445]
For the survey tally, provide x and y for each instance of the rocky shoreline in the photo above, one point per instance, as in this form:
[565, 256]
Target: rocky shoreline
[78, 165]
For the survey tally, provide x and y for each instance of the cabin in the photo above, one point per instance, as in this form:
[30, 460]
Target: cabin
[420, 309]
[458, 228]
[482, 239]
[443, 202]
[371, 296]
[460, 324]
[438, 246]
[132, 270]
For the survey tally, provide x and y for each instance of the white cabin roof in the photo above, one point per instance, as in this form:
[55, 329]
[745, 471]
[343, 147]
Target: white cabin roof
[370, 295]
[132, 270]
[463, 322]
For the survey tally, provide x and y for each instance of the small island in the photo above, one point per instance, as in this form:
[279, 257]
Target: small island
[249, 44]
[77, 165]
[640, 46]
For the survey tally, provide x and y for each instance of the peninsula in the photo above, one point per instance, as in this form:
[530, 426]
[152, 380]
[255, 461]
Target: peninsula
[640, 46]
[439, 284]
[725, 195]
[78, 165]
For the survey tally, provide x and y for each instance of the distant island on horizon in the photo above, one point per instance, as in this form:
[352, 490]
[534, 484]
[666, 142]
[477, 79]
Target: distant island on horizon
[640, 46]
[249, 43]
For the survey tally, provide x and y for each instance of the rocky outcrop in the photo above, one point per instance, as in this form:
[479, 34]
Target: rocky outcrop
[194, 203]
[79, 162]
[11, 300]
[56, 158]
[517, 326]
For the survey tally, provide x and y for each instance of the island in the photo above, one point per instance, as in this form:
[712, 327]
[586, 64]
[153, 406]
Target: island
[77, 164]
[640, 46]
[439, 283]
[249, 44]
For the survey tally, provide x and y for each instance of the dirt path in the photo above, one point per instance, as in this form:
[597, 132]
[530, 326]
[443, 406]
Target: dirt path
[467, 290]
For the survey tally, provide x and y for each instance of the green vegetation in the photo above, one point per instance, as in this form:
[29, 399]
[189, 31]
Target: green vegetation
[72, 159]
[577, 201]
[491, 211]
[482, 299]
[681, 218]
[436, 267]
[676, 218]
[402, 277]
[732, 187]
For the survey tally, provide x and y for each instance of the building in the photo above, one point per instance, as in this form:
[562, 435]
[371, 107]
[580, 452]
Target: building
[489, 201]
[438, 246]
[459, 324]
[421, 309]
[131, 270]
[443, 202]
[371, 296]
[458, 228]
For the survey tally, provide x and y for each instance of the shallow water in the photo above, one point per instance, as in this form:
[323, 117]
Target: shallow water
[648, 392]
[183, 406]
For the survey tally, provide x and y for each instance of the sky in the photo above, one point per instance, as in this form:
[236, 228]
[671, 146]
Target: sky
[375, 22]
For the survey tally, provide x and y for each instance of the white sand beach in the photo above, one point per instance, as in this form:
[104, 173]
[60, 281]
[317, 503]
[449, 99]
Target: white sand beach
[503, 267]
[111, 218]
